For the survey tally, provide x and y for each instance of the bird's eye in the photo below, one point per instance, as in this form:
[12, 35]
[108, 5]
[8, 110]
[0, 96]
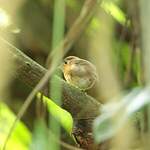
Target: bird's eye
[65, 62]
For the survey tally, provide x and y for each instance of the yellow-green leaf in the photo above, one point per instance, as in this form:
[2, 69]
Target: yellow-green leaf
[61, 115]
[115, 11]
[21, 136]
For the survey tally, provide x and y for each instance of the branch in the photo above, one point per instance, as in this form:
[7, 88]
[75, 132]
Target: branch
[31, 72]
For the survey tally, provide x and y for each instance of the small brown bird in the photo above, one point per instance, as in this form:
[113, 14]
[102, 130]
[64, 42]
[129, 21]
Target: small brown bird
[79, 72]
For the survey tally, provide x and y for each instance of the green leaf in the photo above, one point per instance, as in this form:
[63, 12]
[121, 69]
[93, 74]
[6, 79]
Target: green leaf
[21, 136]
[115, 11]
[115, 115]
[61, 115]
[40, 136]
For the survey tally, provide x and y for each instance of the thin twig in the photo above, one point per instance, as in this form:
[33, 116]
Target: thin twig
[64, 144]
[77, 28]
[70, 147]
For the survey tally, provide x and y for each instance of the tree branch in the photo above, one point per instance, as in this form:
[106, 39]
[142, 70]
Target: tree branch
[31, 72]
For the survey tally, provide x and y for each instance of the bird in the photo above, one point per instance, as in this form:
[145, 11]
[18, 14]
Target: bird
[79, 73]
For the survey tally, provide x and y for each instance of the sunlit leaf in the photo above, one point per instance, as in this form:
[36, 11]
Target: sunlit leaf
[141, 99]
[4, 18]
[21, 136]
[107, 125]
[115, 115]
[61, 115]
[112, 9]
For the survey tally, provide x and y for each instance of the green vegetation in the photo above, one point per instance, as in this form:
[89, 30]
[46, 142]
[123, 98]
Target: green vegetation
[52, 114]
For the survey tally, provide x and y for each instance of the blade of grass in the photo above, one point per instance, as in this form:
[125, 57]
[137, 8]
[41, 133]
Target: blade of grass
[56, 88]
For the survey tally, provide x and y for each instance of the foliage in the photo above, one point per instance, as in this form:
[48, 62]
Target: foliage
[21, 136]
[61, 115]
[113, 9]
[115, 115]
[40, 136]
[44, 30]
